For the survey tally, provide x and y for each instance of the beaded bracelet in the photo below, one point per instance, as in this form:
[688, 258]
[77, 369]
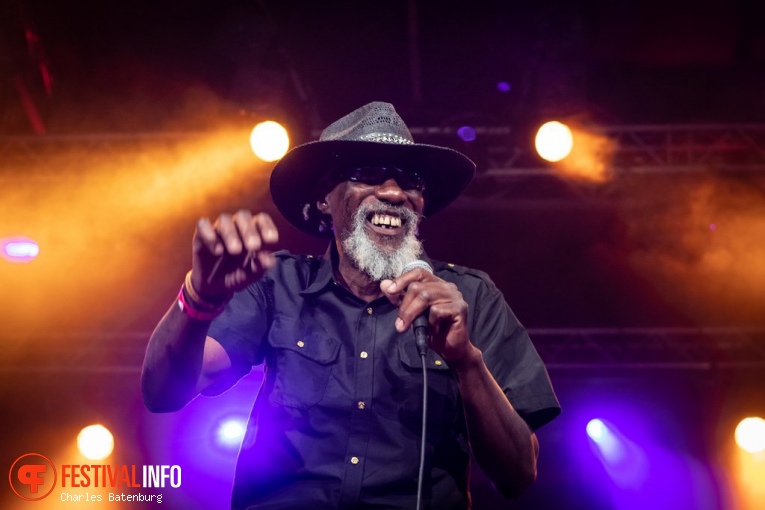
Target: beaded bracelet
[198, 301]
[193, 313]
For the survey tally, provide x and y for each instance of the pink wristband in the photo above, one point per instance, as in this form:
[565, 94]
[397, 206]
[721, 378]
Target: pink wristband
[192, 313]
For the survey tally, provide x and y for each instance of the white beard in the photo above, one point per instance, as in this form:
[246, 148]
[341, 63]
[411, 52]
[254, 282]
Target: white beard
[380, 262]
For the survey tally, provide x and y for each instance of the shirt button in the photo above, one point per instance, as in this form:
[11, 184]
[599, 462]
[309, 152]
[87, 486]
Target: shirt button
[363, 354]
[438, 362]
[300, 343]
[361, 405]
[354, 460]
[369, 310]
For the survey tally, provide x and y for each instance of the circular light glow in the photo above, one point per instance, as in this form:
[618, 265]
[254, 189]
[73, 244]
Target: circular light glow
[19, 249]
[596, 429]
[504, 86]
[231, 432]
[269, 140]
[95, 442]
[466, 133]
[750, 434]
[554, 141]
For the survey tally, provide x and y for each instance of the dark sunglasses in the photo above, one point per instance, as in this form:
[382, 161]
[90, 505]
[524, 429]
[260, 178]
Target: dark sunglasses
[376, 175]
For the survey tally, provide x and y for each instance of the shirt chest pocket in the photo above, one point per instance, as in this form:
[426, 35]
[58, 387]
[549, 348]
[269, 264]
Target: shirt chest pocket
[443, 395]
[301, 363]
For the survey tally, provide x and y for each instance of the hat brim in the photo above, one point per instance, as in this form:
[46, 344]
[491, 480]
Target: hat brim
[296, 179]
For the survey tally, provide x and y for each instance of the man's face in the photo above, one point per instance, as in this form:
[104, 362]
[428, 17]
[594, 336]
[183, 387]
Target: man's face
[376, 221]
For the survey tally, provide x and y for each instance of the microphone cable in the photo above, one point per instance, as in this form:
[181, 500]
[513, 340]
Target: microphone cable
[421, 340]
[420, 328]
[420, 476]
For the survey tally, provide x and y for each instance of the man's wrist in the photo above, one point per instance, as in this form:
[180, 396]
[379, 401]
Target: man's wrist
[197, 307]
[472, 359]
[192, 311]
[203, 302]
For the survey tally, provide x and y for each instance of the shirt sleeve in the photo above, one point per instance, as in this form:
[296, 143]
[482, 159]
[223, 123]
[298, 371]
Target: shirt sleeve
[243, 325]
[512, 359]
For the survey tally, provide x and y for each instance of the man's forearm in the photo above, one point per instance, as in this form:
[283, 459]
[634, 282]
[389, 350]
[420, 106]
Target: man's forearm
[504, 446]
[173, 362]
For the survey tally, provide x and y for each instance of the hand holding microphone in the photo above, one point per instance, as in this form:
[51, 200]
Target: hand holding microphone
[420, 325]
[429, 304]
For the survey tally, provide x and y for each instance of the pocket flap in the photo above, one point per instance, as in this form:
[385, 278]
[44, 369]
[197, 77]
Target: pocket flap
[407, 350]
[288, 333]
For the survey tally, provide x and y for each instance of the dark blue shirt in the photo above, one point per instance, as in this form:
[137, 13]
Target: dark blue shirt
[337, 421]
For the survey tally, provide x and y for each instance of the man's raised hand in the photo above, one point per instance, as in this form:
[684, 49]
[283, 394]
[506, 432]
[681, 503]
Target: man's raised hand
[231, 253]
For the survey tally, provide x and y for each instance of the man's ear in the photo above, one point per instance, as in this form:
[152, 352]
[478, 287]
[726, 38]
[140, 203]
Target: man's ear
[323, 206]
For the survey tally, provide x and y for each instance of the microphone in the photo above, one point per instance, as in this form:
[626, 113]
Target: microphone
[420, 325]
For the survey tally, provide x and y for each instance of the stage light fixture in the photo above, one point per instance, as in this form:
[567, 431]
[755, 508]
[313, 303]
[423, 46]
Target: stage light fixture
[231, 432]
[554, 141]
[19, 249]
[597, 430]
[750, 434]
[467, 133]
[95, 442]
[269, 141]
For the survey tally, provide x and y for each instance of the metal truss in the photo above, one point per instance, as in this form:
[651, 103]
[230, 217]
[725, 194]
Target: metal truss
[651, 348]
[515, 177]
[510, 174]
[656, 148]
[639, 148]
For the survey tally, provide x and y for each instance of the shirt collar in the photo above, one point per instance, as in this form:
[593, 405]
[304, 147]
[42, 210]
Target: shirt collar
[325, 274]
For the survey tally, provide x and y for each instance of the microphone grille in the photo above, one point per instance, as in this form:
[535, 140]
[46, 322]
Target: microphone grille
[417, 264]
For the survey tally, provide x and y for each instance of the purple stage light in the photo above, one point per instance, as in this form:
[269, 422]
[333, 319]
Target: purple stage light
[231, 431]
[503, 86]
[466, 133]
[597, 430]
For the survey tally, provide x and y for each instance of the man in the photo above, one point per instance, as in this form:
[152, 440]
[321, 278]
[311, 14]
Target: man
[337, 422]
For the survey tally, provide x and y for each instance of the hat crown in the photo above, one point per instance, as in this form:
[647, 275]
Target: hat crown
[373, 122]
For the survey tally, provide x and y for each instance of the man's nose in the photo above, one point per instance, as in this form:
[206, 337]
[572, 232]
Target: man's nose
[390, 191]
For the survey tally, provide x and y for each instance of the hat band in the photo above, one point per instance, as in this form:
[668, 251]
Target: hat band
[385, 138]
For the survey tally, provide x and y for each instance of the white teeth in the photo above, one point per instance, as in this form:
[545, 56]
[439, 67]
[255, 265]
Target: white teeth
[384, 219]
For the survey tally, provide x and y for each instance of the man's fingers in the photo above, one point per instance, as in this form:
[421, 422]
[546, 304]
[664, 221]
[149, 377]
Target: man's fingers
[429, 295]
[418, 297]
[399, 285]
[410, 293]
[266, 227]
[256, 231]
[266, 259]
[229, 234]
[248, 236]
[208, 237]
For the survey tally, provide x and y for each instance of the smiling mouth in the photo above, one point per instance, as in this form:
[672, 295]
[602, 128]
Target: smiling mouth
[385, 221]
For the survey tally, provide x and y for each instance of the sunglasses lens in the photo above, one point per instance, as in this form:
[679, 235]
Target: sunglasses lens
[376, 175]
